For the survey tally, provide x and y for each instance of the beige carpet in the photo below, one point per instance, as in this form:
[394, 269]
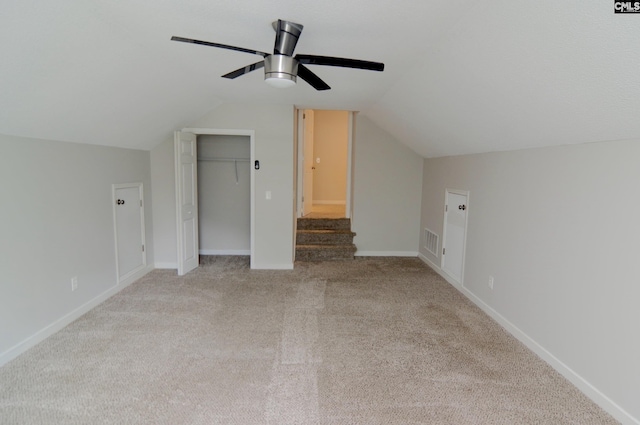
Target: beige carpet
[372, 341]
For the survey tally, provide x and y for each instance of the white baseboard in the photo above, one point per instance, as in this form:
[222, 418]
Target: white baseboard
[315, 202]
[582, 384]
[225, 252]
[270, 266]
[438, 270]
[65, 320]
[256, 266]
[386, 254]
[128, 280]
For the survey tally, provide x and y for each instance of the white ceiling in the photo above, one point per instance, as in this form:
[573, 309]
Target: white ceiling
[460, 77]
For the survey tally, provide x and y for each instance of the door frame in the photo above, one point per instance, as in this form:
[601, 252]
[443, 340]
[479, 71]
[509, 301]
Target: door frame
[230, 132]
[114, 188]
[464, 193]
[302, 148]
[299, 143]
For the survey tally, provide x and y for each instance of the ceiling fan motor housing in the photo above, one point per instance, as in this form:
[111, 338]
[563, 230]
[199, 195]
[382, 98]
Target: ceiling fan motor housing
[280, 67]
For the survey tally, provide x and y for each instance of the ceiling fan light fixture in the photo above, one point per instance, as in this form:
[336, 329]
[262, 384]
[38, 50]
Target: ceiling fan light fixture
[281, 68]
[280, 71]
[280, 82]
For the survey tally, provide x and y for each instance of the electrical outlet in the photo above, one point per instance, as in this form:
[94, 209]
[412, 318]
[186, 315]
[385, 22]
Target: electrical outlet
[74, 283]
[490, 282]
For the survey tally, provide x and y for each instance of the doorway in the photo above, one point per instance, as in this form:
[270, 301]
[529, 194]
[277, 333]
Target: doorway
[224, 195]
[324, 163]
[187, 191]
[455, 232]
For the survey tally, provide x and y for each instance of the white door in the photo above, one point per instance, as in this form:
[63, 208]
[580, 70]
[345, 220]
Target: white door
[308, 164]
[186, 200]
[455, 228]
[129, 229]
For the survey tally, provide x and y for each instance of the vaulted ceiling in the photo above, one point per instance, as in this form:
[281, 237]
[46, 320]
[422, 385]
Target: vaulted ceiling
[460, 77]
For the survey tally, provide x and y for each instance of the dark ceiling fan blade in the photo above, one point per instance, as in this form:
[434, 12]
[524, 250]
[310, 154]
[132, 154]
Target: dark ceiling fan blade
[311, 78]
[221, 46]
[244, 70]
[343, 62]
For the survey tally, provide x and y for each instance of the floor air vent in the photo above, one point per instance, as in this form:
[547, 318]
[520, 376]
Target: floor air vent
[431, 242]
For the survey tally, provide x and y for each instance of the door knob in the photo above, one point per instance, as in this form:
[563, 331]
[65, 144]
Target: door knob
[462, 207]
[120, 202]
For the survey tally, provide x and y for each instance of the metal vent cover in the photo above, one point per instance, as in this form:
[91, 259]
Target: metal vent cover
[431, 242]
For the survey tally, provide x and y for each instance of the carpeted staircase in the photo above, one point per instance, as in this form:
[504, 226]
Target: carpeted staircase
[324, 239]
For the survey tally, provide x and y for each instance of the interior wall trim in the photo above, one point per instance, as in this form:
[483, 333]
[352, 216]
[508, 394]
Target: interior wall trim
[162, 265]
[225, 252]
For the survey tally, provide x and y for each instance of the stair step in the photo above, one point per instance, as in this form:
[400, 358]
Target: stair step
[324, 223]
[325, 252]
[325, 237]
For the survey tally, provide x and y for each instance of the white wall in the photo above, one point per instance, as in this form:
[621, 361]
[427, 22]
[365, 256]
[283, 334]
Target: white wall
[224, 202]
[57, 222]
[558, 228]
[273, 126]
[387, 189]
[164, 206]
[330, 143]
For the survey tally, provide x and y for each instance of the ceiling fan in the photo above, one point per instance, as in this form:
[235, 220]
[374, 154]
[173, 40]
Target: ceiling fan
[280, 67]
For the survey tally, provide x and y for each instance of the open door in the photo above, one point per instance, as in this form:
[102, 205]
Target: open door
[186, 162]
[308, 164]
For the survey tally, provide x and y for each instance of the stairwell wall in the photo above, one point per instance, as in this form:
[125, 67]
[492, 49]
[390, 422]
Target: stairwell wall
[330, 145]
[387, 186]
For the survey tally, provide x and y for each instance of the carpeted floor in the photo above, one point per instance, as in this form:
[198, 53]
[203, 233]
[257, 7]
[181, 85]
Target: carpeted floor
[326, 211]
[370, 341]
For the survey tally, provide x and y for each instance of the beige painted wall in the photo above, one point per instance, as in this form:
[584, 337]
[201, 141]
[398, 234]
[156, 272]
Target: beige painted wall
[273, 126]
[57, 222]
[330, 144]
[558, 228]
[164, 205]
[387, 185]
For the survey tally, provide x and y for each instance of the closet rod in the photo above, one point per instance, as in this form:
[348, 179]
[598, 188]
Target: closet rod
[222, 159]
[234, 160]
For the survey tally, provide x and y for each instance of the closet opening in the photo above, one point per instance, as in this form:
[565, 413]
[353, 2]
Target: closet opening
[224, 195]
[217, 179]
